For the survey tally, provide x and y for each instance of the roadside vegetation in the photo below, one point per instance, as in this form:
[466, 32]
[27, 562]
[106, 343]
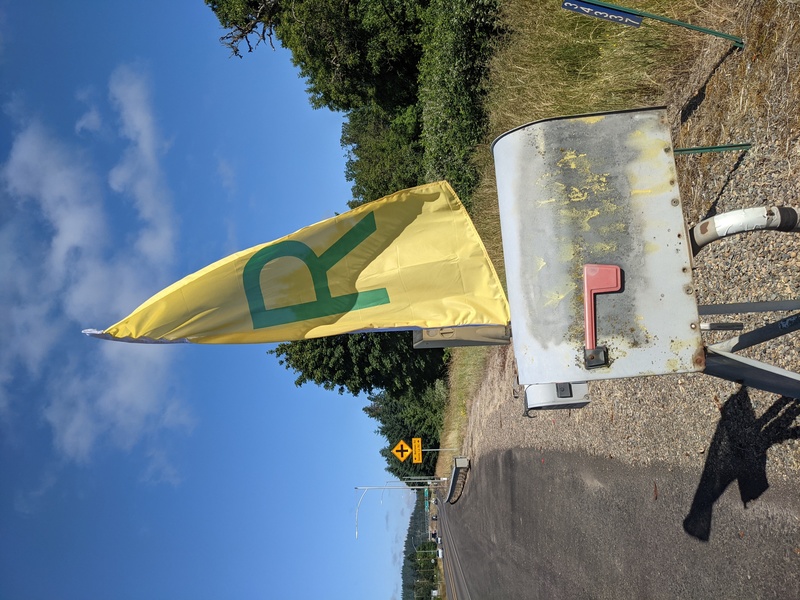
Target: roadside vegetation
[425, 86]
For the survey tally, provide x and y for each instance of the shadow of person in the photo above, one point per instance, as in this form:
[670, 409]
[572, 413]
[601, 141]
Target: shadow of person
[738, 452]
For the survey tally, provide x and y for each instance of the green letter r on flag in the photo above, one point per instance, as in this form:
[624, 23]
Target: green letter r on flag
[318, 266]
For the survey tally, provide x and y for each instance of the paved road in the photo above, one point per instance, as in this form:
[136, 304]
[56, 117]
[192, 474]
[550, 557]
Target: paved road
[534, 524]
[454, 576]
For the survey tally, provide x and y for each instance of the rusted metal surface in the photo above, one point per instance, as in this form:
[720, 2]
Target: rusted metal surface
[596, 189]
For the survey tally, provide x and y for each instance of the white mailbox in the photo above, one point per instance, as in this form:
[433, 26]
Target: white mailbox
[597, 259]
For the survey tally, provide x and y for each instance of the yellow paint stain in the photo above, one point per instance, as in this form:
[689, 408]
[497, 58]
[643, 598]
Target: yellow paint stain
[570, 159]
[676, 346]
[664, 187]
[608, 206]
[605, 247]
[591, 120]
[540, 263]
[581, 217]
[651, 248]
[577, 195]
[566, 252]
[651, 149]
[558, 191]
[619, 227]
[554, 297]
[618, 352]
[596, 182]
[653, 174]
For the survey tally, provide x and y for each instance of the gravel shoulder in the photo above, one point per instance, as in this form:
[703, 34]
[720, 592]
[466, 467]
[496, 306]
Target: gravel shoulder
[695, 421]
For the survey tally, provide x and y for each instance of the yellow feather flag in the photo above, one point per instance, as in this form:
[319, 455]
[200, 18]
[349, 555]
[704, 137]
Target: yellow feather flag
[409, 260]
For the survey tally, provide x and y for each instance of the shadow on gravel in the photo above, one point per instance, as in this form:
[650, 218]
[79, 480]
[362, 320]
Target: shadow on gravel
[738, 452]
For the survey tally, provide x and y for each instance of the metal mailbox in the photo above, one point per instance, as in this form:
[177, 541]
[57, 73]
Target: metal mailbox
[593, 201]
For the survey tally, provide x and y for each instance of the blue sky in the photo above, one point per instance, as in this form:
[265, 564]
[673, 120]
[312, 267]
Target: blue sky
[134, 150]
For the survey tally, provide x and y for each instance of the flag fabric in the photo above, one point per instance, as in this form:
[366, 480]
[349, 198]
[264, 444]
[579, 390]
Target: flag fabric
[410, 260]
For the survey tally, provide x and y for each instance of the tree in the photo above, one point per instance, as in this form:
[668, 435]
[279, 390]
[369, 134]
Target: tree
[351, 52]
[409, 415]
[362, 362]
[416, 538]
[246, 18]
[384, 151]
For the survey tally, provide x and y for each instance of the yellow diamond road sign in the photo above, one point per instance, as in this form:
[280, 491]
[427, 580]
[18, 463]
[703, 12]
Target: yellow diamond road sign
[401, 450]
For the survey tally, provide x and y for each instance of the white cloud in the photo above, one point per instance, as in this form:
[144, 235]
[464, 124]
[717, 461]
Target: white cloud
[44, 171]
[128, 400]
[138, 173]
[89, 121]
[61, 272]
[74, 421]
[160, 469]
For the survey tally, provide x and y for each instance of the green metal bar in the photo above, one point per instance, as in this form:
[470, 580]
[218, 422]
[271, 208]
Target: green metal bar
[723, 148]
[737, 41]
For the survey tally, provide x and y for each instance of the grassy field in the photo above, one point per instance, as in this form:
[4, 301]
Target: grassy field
[552, 62]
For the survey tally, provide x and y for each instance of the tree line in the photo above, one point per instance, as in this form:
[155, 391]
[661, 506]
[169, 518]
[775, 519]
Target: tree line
[360, 57]
[419, 570]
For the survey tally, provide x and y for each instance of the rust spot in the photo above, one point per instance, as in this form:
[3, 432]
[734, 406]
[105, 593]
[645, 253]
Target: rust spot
[704, 227]
[699, 358]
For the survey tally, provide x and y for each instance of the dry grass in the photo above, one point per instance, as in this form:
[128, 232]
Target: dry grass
[762, 111]
[466, 373]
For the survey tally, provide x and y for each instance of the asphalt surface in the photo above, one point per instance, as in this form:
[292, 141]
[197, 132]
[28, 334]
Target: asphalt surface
[533, 524]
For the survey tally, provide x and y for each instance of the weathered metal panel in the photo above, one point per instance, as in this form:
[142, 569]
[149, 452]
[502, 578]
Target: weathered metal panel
[596, 189]
[552, 396]
[449, 337]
